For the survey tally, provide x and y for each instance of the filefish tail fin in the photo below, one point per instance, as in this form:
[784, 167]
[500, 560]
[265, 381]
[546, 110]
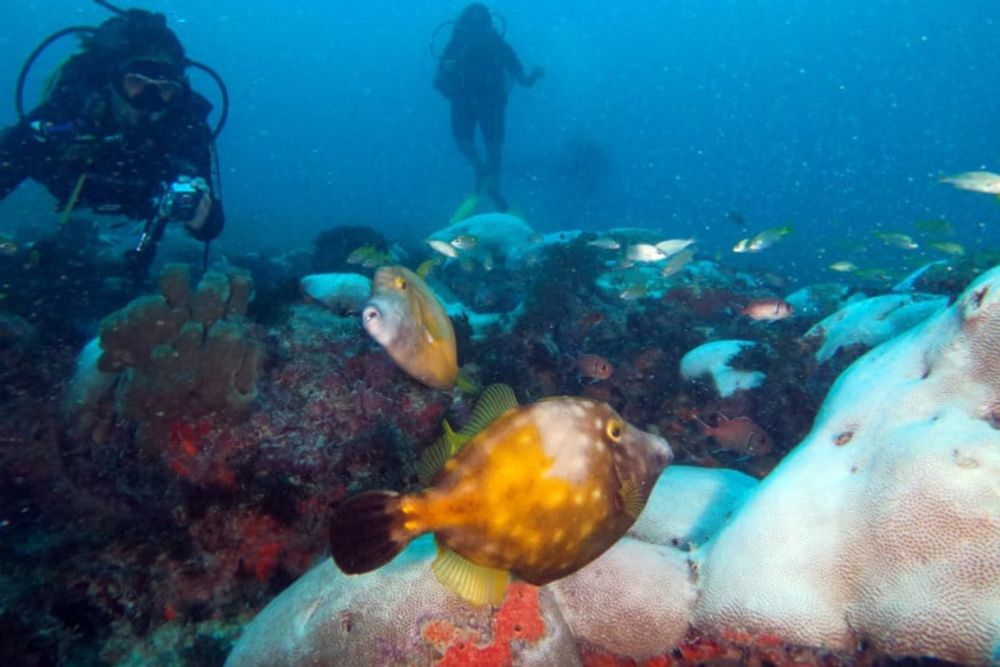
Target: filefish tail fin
[473, 583]
[366, 532]
[466, 384]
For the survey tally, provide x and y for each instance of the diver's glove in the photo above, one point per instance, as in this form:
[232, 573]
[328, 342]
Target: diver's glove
[186, 200]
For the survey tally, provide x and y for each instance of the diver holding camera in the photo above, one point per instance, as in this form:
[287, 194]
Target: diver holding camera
[187, 200]
[120, 131]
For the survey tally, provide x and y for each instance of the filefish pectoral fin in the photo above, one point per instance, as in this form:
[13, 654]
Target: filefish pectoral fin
[632, 499]
[473, 583]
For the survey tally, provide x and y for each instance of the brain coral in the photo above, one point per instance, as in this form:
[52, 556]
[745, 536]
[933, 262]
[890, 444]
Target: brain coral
[884, 524]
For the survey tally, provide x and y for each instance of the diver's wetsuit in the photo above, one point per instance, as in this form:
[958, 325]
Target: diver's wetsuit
[74, 131]
[475, 73]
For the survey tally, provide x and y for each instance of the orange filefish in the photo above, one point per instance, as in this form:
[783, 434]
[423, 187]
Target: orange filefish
[539, 492]
[405, 318]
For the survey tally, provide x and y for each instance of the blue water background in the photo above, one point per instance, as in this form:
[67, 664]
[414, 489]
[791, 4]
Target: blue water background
[835, 116]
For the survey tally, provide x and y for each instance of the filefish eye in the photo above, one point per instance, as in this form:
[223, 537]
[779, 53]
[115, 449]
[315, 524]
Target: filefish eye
[401, 283]
[614, 429]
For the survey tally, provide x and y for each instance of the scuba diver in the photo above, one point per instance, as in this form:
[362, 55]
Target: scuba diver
[476, 72]
[120, 131]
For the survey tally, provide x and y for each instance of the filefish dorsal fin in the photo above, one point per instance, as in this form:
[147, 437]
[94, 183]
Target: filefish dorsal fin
[495, 400]
[474, 583]
[631, 497]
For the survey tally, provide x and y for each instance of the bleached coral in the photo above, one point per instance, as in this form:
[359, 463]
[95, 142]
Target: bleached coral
[884, 523]
[713, 360]
[341, 292]
[872, 321]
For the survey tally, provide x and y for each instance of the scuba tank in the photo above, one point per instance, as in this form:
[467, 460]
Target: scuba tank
[132, 31]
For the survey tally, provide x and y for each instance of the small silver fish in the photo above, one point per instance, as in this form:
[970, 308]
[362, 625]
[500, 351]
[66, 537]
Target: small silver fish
[605, 243]
[442, 247]
[673, 246]
[645, 252]
[975, 181]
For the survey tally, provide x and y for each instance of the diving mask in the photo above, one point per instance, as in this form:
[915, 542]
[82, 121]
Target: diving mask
[149, 85]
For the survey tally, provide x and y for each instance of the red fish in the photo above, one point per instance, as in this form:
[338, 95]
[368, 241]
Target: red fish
[768, 310]
[594, 367]
[738, 435]
[588, 322]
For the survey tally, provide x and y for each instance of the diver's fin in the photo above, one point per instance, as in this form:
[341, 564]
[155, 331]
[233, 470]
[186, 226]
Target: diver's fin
[474, 583]
[465, 209]
[495, 400]
[632, 500]
[466, 384]
[366, 530]
[433, 458]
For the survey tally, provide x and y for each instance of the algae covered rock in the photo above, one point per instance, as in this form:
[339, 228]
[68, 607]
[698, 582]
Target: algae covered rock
[183, 351]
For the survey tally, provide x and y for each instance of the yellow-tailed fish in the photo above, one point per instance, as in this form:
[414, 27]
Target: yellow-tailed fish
[676, 263]
[464, 242]
[633, 293]
[767, 238]
[405, 318]
[539, 492]
[897, 240]
[935, 226]
[948, 248]
[368, 256]
[843, 267]
[427, 266]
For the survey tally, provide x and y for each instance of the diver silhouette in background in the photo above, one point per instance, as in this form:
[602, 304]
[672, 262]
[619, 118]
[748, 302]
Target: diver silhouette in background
[476, 72]
[121, 131]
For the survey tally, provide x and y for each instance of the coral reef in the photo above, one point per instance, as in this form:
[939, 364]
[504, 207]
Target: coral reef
[183, 499]
[182, 352]
[832, 551]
